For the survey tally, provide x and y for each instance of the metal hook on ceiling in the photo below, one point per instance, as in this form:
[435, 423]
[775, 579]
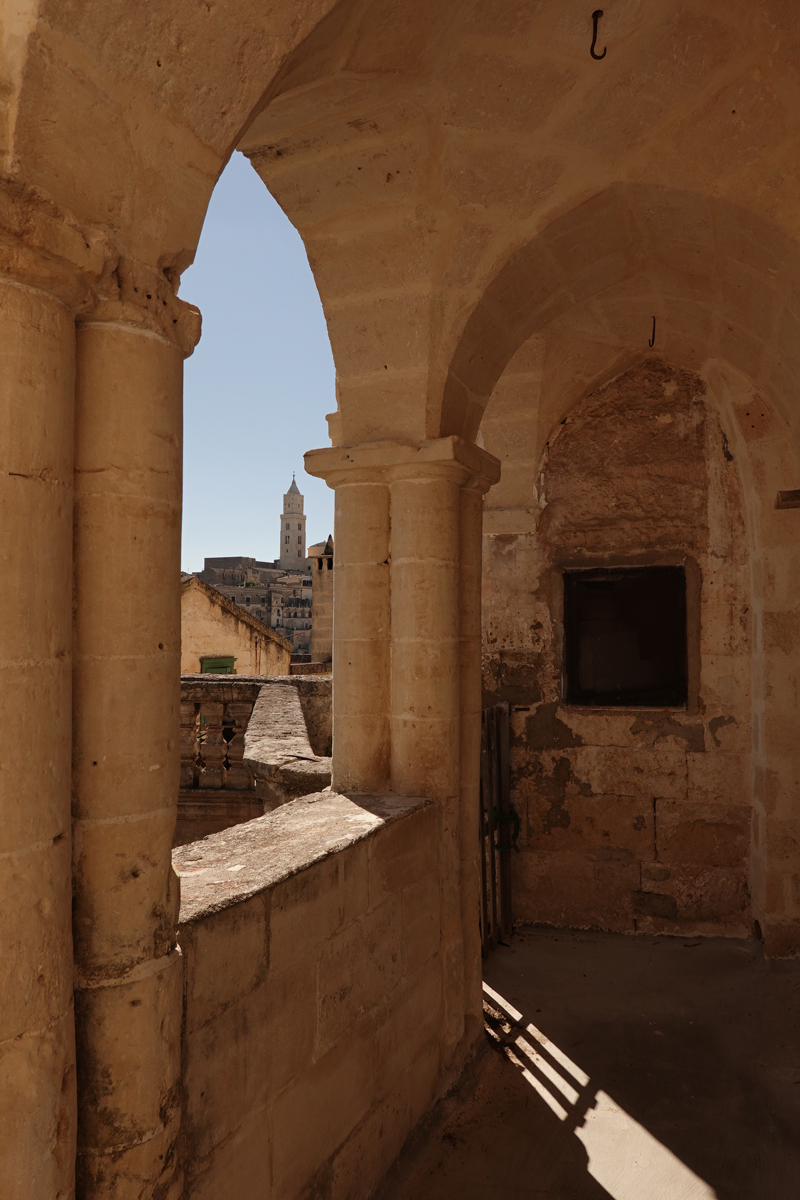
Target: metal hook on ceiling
[596, 15]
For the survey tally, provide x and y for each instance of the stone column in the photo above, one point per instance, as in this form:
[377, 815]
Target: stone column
[37, 1058]
[425, 628]
[426, 752]
[126, 763]
[361, 622]
[432, 541]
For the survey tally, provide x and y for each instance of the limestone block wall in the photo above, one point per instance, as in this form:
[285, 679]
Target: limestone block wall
[631, 818]
[211, 626]
[313, 997]
[316, 701]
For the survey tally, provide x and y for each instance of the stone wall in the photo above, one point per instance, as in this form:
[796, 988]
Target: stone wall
[212, 627]
[631, 818]
[311, 668]
[289, 719]
[316, 701]
[313, 997]
[249, 744]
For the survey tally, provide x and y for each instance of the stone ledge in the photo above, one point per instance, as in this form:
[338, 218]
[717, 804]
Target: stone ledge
[232, 866]
[234, 680]
[290, 716]
[277, 747]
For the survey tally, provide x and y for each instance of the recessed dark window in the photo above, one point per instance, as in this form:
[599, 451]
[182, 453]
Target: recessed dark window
[625, 636]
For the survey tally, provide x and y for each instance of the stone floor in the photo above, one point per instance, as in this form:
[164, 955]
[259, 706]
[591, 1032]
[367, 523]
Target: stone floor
[637, 1068]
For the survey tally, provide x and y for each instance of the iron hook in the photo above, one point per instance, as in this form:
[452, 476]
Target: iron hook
[596, 15]
[652, 341]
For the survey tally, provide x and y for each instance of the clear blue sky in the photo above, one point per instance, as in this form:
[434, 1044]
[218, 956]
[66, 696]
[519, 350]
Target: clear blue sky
[259, 384]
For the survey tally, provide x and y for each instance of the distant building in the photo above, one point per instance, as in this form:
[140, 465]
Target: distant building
[279, 593]
[293, 530]
[321, 558]
[218, 637]
[283, 602]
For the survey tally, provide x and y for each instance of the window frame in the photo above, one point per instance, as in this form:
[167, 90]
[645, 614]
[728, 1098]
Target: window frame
[572, 697]
[225, 663]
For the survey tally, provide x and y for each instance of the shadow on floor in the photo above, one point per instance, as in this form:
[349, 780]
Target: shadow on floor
[638, 1068]
[494, 1138]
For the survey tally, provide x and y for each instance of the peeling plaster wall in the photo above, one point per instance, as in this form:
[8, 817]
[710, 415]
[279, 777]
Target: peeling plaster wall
[631, 818]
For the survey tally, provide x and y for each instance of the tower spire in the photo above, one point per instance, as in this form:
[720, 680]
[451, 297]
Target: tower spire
[293, 530]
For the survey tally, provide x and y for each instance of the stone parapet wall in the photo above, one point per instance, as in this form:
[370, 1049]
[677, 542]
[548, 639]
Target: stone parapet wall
[218, 787]
[313, 997]
[249, 744]
[278, 749]
[311, 668]
[210, 705]
[316, 701]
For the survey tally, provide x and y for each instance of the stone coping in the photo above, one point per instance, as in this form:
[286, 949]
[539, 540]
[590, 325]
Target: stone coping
[232, 866]
[234, 680]
[286, 721]
[277, 733]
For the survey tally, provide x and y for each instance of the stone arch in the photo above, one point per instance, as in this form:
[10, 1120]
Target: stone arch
[719, 280]
[326, 81]
[572, 310]
[115, 121]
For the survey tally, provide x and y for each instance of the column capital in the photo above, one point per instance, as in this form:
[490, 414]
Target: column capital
[385, 462]
[46, 248]
[142, 298]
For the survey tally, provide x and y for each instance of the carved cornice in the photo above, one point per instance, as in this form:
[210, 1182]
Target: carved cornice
[384, 462]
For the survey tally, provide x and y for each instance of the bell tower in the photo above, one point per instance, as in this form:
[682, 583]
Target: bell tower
[293, 531]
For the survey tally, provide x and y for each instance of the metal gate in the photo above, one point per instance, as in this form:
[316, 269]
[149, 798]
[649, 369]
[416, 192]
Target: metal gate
[499, 826]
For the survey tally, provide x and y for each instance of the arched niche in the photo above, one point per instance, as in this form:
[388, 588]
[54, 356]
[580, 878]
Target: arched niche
[746, 592]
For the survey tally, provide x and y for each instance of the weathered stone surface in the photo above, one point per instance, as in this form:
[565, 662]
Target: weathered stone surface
[278, 749]
[594, 824]
[310, 997]
[275, 847]
[482, 202]
[316, 703]
[601, 891]
[706, 899]
[635, 473]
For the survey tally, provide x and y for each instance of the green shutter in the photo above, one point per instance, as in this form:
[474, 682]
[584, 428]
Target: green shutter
[217, 666]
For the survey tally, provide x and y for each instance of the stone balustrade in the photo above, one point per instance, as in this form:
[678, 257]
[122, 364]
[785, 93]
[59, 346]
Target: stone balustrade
[248, 745]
